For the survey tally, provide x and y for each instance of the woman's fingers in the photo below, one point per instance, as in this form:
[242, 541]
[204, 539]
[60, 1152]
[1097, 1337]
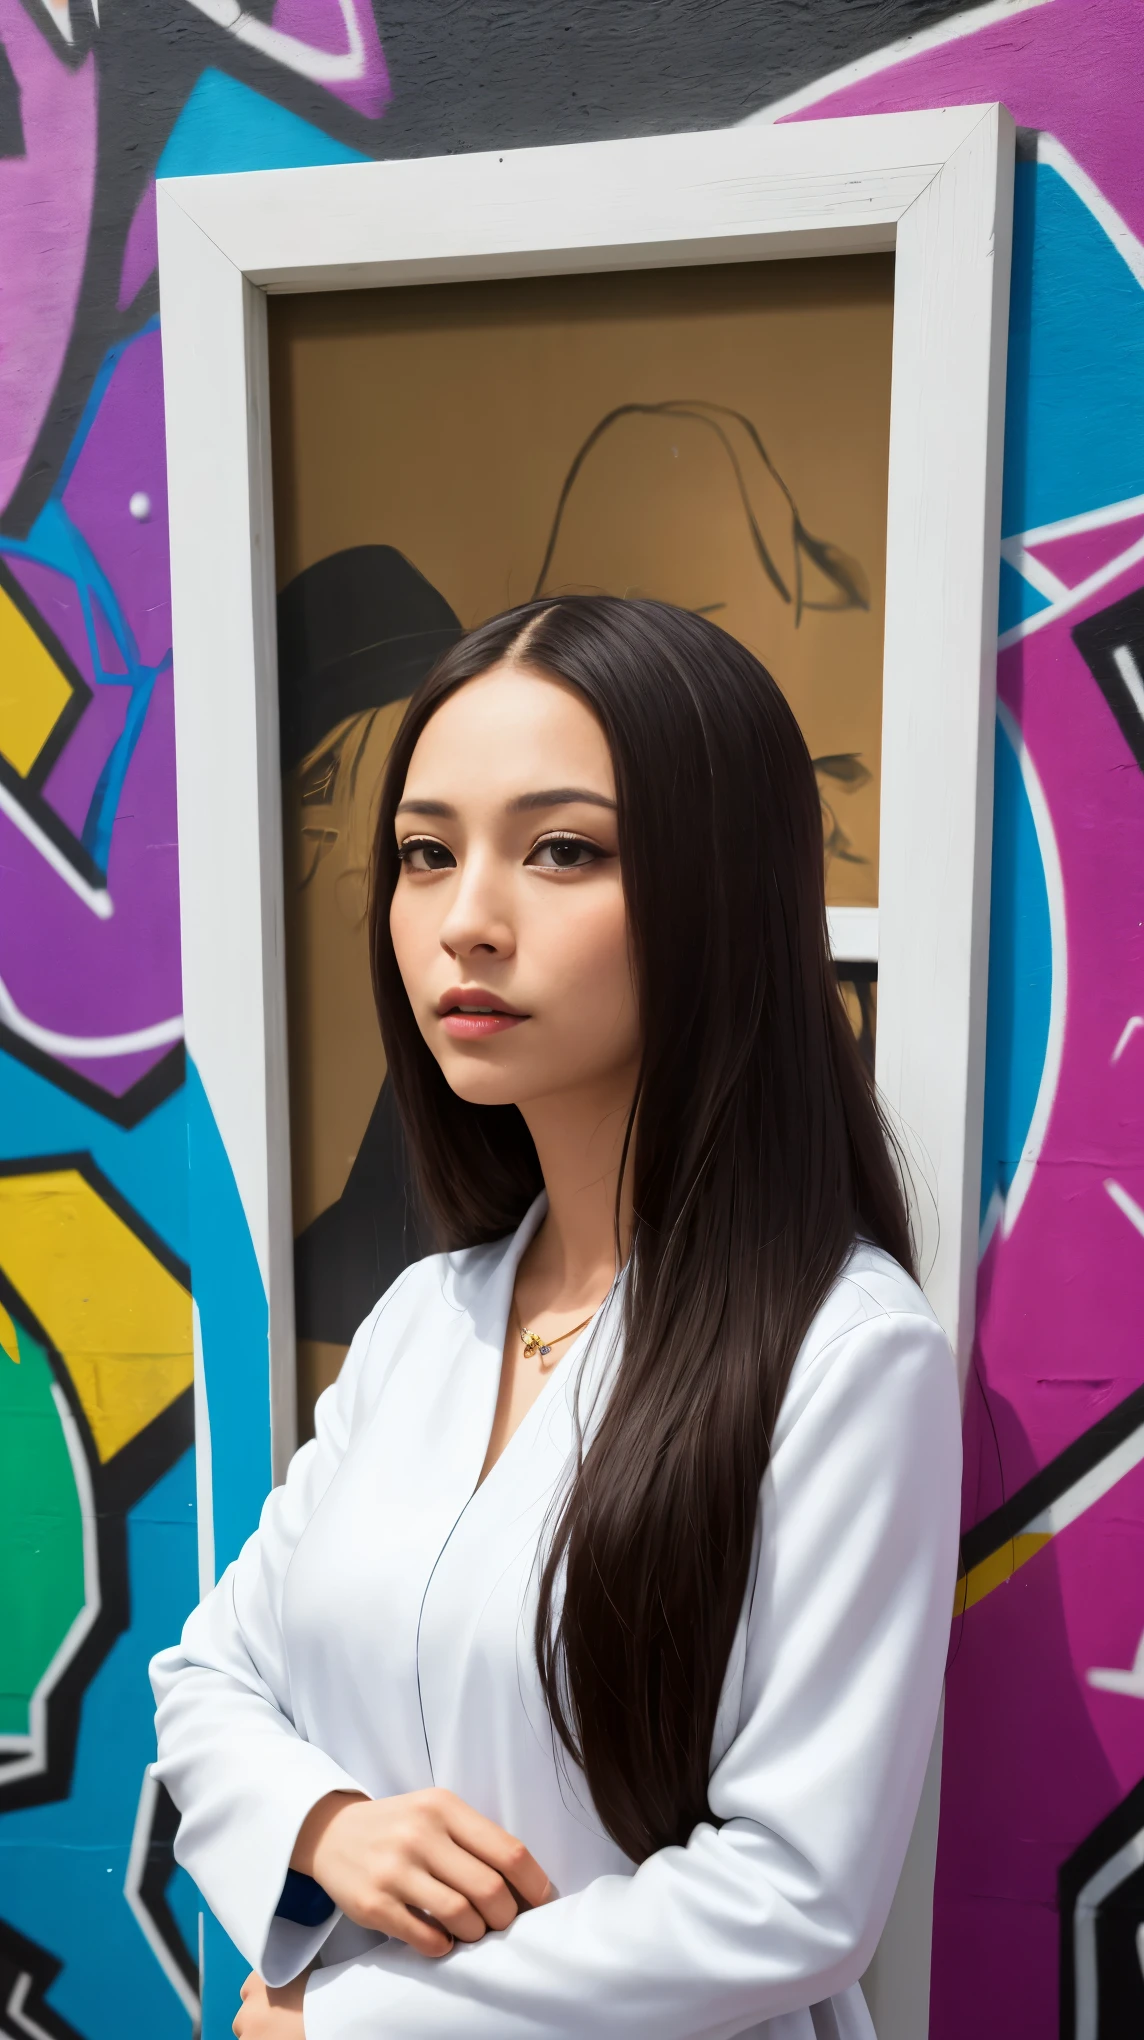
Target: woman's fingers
[476, 1881]
[404, 1919]
[450, 1908]
[420, 1932]
[484, 1839]
[422, 1866]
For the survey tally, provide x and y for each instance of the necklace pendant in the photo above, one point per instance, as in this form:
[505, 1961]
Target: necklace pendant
[544, 1352]
[532, 1346]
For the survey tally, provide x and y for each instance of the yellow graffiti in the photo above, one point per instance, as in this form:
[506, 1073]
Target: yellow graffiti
[997, 1568]
[120, 1321]
[33, 691]
[9, 1343]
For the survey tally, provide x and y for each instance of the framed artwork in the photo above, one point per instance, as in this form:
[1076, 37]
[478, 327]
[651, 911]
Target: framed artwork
[714, 436]
[581, 366]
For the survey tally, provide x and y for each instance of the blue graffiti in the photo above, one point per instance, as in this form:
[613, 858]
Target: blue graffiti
[55, 542]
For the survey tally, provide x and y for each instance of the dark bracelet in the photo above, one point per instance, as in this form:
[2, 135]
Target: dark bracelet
[303, 1901]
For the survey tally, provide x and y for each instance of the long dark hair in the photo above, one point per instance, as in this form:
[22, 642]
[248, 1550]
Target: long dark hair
[757, 1155]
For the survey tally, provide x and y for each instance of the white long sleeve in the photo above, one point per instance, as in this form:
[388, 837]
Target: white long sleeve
[782, 1905]
[232, 1752]
[376, 1634]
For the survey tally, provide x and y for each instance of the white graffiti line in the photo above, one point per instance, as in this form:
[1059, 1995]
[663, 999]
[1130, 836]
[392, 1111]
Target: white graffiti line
[1089, 1489]
[1050, 153]
[884, 60]
[1033, 570]
[1136, 1021]
[30, 1765]
[204, 1488]
[97, 1047]
[1126, 1204]
[991, 1218]
[1118, 1869]
[1055, 157]
[1073, 597]
[1064, 1510]
[1058, 991]
[1084, 520]
[1125, 663]
[94, 896]
[22, 2020]
[323, 67]
[1017, 550]
[133, 1893]
[61, 16]
[1110, 1679]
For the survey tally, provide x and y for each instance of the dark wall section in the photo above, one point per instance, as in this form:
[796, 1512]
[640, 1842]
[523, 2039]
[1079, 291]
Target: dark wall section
[510, 72]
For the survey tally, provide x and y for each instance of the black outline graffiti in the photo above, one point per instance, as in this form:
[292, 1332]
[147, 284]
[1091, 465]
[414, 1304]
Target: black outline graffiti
[147, 1892]
[24, 1962]
[136, 1103]
[1116, 1921]
[116, 1487]
[1098, 639]
[150, 57]
[28, 790]
[1005, 1523]
[12, 143]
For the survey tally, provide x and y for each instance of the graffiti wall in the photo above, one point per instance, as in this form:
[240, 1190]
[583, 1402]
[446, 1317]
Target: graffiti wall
[103, 1544]
[1040, 1902]
[133, 1421]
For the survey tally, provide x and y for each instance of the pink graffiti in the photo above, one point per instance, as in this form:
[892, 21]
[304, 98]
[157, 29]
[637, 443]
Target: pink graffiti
[1060, 66]
[1034, 1755]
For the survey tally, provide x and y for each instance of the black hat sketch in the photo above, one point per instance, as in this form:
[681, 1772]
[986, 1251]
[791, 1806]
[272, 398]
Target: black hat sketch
[355, 631]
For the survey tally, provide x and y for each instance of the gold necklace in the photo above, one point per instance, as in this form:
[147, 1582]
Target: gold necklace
[534, 1346]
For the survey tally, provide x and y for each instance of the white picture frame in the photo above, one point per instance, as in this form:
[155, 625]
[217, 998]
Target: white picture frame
[935, 188]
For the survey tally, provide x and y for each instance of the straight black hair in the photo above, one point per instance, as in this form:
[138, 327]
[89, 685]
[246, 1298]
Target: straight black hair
[757, 1154]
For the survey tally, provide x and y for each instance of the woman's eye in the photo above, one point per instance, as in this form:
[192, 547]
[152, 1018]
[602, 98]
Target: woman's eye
[564, 853]
[423, 854]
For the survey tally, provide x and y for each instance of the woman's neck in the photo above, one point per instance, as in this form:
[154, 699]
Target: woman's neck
[579, 1140]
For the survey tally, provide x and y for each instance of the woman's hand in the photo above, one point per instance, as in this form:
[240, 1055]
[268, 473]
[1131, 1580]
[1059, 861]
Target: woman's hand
[423, 1867]
[270, 2014]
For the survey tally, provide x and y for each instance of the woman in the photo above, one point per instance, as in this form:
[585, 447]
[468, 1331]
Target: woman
[594, 1644]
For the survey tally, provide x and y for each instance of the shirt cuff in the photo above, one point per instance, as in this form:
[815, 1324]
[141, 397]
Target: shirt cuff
[303, 1901]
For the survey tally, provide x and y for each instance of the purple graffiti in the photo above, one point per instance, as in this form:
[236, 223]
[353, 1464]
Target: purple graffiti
[45, 207]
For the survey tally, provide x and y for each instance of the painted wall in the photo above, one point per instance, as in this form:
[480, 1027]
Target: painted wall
[103, 1546]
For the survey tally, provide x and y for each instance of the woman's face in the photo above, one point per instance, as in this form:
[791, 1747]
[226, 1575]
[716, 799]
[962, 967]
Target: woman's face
[508, 919]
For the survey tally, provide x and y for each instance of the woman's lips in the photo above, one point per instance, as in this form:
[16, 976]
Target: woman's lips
[470, 1015]
[471, 1026]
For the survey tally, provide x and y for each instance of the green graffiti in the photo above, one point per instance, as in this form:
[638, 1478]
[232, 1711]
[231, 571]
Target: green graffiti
[41, 1532]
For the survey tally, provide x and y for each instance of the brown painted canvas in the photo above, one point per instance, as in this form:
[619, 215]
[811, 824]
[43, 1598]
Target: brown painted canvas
[715, 437]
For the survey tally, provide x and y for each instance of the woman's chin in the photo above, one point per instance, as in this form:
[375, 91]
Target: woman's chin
[480, 1086]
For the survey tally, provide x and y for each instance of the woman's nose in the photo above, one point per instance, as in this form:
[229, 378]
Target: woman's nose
[477, 922]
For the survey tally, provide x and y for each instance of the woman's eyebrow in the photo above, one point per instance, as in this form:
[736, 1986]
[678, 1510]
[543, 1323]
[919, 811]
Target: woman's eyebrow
[558, 796]
[525, 803]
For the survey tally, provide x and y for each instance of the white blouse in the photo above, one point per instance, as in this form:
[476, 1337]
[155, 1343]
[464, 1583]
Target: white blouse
[376, 1634]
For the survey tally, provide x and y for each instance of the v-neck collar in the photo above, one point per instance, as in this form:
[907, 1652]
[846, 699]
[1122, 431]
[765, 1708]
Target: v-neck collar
[489, 1311]
[482, 1290]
